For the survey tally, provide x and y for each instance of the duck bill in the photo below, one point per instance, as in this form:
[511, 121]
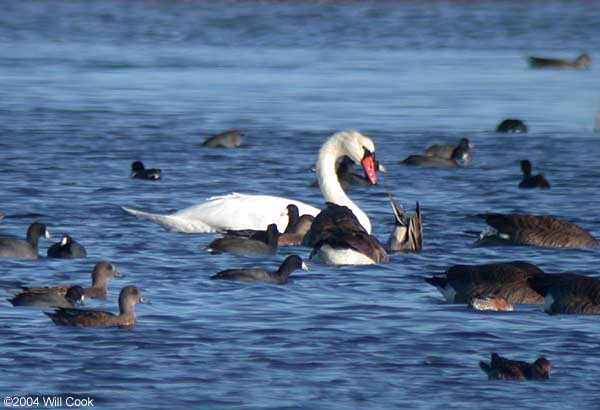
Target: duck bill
[369, 165]
[145, 301]
[119, 275]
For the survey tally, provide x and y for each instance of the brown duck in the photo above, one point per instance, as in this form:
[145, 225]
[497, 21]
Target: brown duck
[407, 235]
[128, 298]
[568, 293]
[46, 298]
[532, 230]
[103, 272]
[501, 368]
[473, 284]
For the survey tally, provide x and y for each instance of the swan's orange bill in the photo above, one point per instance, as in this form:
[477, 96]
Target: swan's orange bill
[368, 164]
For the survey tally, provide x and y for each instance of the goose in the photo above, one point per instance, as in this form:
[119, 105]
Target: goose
[532, 181]
[24, 249]
[407, 235]
[73, 296]
[513, 125]
[501, 368]
[247, 246]
[280, 276]
[101, 275]
[532, 230]
[472, 283]
[582, 61]
[67, 248]
[568, 293]
[448, 151]
[138, 171]
[128, 298]
[226, 139]
[239, 211]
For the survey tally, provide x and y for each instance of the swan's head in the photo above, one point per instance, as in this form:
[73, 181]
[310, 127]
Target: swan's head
[360, 149]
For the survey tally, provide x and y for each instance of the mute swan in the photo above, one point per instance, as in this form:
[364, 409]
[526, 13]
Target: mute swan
[239, 211]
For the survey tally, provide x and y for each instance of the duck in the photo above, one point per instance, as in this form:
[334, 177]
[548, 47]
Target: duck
[128, 298]
[73, 297]
[24, 249]
[582, 61]
[138, 171]
[532, 181]
[568, 293]
[280, 276]
[533, 230]
[241, 211]
[67, 248]
[501, 368]
[407, 235]
[450, 151]
[102, 273]
[512, 125]
[472, 284]
[296, 237]
[459, 157]
[247, 246]
[225, 139]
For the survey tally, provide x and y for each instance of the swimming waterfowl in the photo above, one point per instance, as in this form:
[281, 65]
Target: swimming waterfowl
[246, 245]
[568, 293]
[407, 235]
[101, 275]
[280, 276]
[532, 181]
[459, 157]
[46, 297]
[582, 61]
[226, 139]
[338, 238]
[513, 125]
[239, 211]
[138, 171]
[506, 280]
[501, 368]
[460, 151]
[67, 248]
[532, 230]
[128, 298]
[24, 249]
[296, 238]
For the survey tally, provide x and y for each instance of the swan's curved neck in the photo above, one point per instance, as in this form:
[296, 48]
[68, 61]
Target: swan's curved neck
[330, 185]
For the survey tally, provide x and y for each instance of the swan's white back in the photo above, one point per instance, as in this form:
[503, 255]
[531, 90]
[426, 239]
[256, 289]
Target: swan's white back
[229, 212]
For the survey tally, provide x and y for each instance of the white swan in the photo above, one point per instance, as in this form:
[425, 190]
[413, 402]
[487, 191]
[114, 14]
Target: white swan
[239, 211]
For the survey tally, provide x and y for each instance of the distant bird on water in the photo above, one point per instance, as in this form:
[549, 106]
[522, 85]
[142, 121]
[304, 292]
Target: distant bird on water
[138, 171]
[501, 368]
[582, 61]
[532, 181]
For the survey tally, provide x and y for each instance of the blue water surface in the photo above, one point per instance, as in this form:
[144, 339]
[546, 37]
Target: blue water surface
[90, 86]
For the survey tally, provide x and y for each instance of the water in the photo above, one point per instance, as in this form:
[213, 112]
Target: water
[90, 86]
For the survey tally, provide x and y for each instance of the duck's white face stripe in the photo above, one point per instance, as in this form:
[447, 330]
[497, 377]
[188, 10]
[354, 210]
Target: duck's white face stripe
[64, 241]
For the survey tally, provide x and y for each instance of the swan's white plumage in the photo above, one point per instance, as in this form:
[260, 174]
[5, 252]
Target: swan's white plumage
[228, 212]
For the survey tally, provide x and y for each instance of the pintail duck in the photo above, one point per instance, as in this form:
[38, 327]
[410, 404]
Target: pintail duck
[582, 61]
[24, 249]
[501, 368]
[407, 235]
[473, 284]
[67, 248]
[532, 230]
[128, 298]
[532, 181]
[568, 293]
[280, 276]
[138, 171]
